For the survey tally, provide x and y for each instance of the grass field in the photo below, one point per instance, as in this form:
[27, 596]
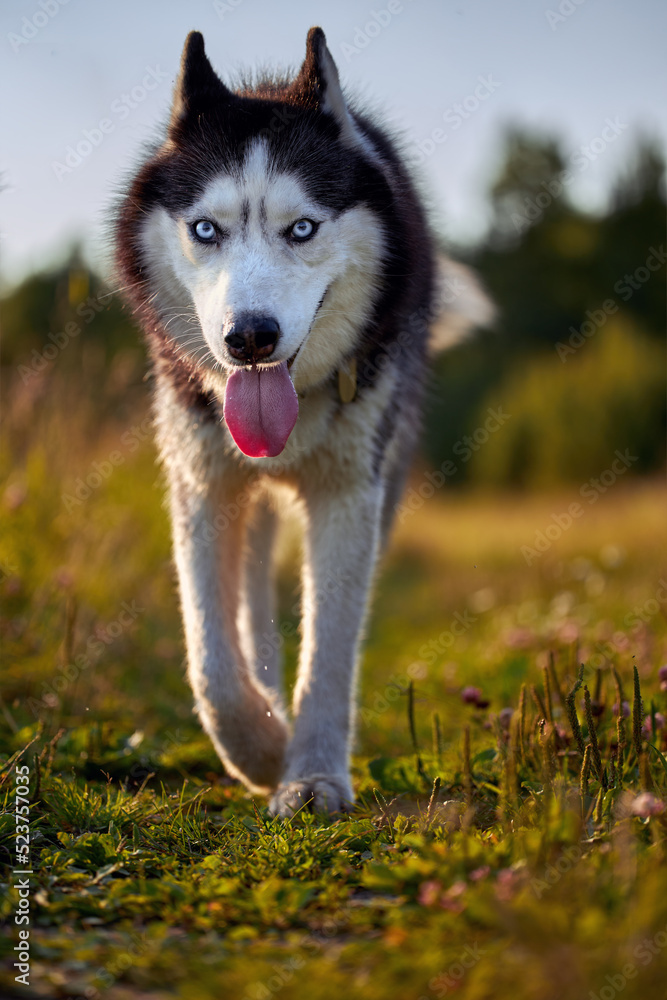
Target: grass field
[503, 846]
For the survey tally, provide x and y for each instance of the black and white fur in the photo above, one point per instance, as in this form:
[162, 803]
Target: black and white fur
[357, 295]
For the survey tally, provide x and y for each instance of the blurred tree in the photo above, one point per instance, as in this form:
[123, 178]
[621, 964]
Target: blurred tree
[550, 267]
[567, 421]
[630, 233]
[547, 262]
[523, 190]
[67, 310]
[66, 325]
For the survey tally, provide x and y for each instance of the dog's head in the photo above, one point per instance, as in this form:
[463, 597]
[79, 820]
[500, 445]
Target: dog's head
[261, 233]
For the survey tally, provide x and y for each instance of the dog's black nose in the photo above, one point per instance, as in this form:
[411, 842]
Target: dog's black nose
[252, 338]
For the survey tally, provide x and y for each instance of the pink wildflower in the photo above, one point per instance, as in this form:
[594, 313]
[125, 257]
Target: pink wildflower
[519, 638]
[429, 893]
[474, 696]
[451, 900]
[471, 695]
[647, 805]
[659, 723]
[568, 633]
[505, 883]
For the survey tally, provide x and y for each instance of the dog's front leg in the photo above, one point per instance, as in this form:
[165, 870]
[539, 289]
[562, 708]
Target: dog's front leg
[341, 544]
[246, 728]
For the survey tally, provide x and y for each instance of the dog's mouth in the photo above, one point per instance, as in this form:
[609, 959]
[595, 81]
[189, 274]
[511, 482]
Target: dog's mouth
[269, 363]
[261, 408]
[261, 405]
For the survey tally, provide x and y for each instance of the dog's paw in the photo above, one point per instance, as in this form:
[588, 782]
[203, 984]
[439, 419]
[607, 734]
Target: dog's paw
[321, 793]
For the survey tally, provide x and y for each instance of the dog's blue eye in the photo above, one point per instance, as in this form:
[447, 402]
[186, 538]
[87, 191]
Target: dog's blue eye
[302, 229]
[205, 231]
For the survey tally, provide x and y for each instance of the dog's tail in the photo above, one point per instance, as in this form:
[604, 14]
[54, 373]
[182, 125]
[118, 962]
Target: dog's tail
[462, 304]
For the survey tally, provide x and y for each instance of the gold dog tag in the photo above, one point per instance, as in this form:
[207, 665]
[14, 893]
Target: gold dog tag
[347, 381]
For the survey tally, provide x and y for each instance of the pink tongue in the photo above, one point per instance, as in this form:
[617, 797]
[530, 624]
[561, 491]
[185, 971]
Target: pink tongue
[261, 408]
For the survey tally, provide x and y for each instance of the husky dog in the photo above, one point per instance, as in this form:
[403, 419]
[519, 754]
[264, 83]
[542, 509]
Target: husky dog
[281, 264]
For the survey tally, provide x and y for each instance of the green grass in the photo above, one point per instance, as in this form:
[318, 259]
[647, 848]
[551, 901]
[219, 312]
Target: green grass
[478, 860]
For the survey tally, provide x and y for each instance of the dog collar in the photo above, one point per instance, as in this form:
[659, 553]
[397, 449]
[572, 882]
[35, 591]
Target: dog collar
[347, 380]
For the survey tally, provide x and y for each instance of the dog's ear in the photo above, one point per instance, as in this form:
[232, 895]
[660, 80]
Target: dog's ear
[198, 85]
[318, 86]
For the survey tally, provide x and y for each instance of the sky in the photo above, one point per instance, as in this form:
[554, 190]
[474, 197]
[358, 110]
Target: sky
[86, 83]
